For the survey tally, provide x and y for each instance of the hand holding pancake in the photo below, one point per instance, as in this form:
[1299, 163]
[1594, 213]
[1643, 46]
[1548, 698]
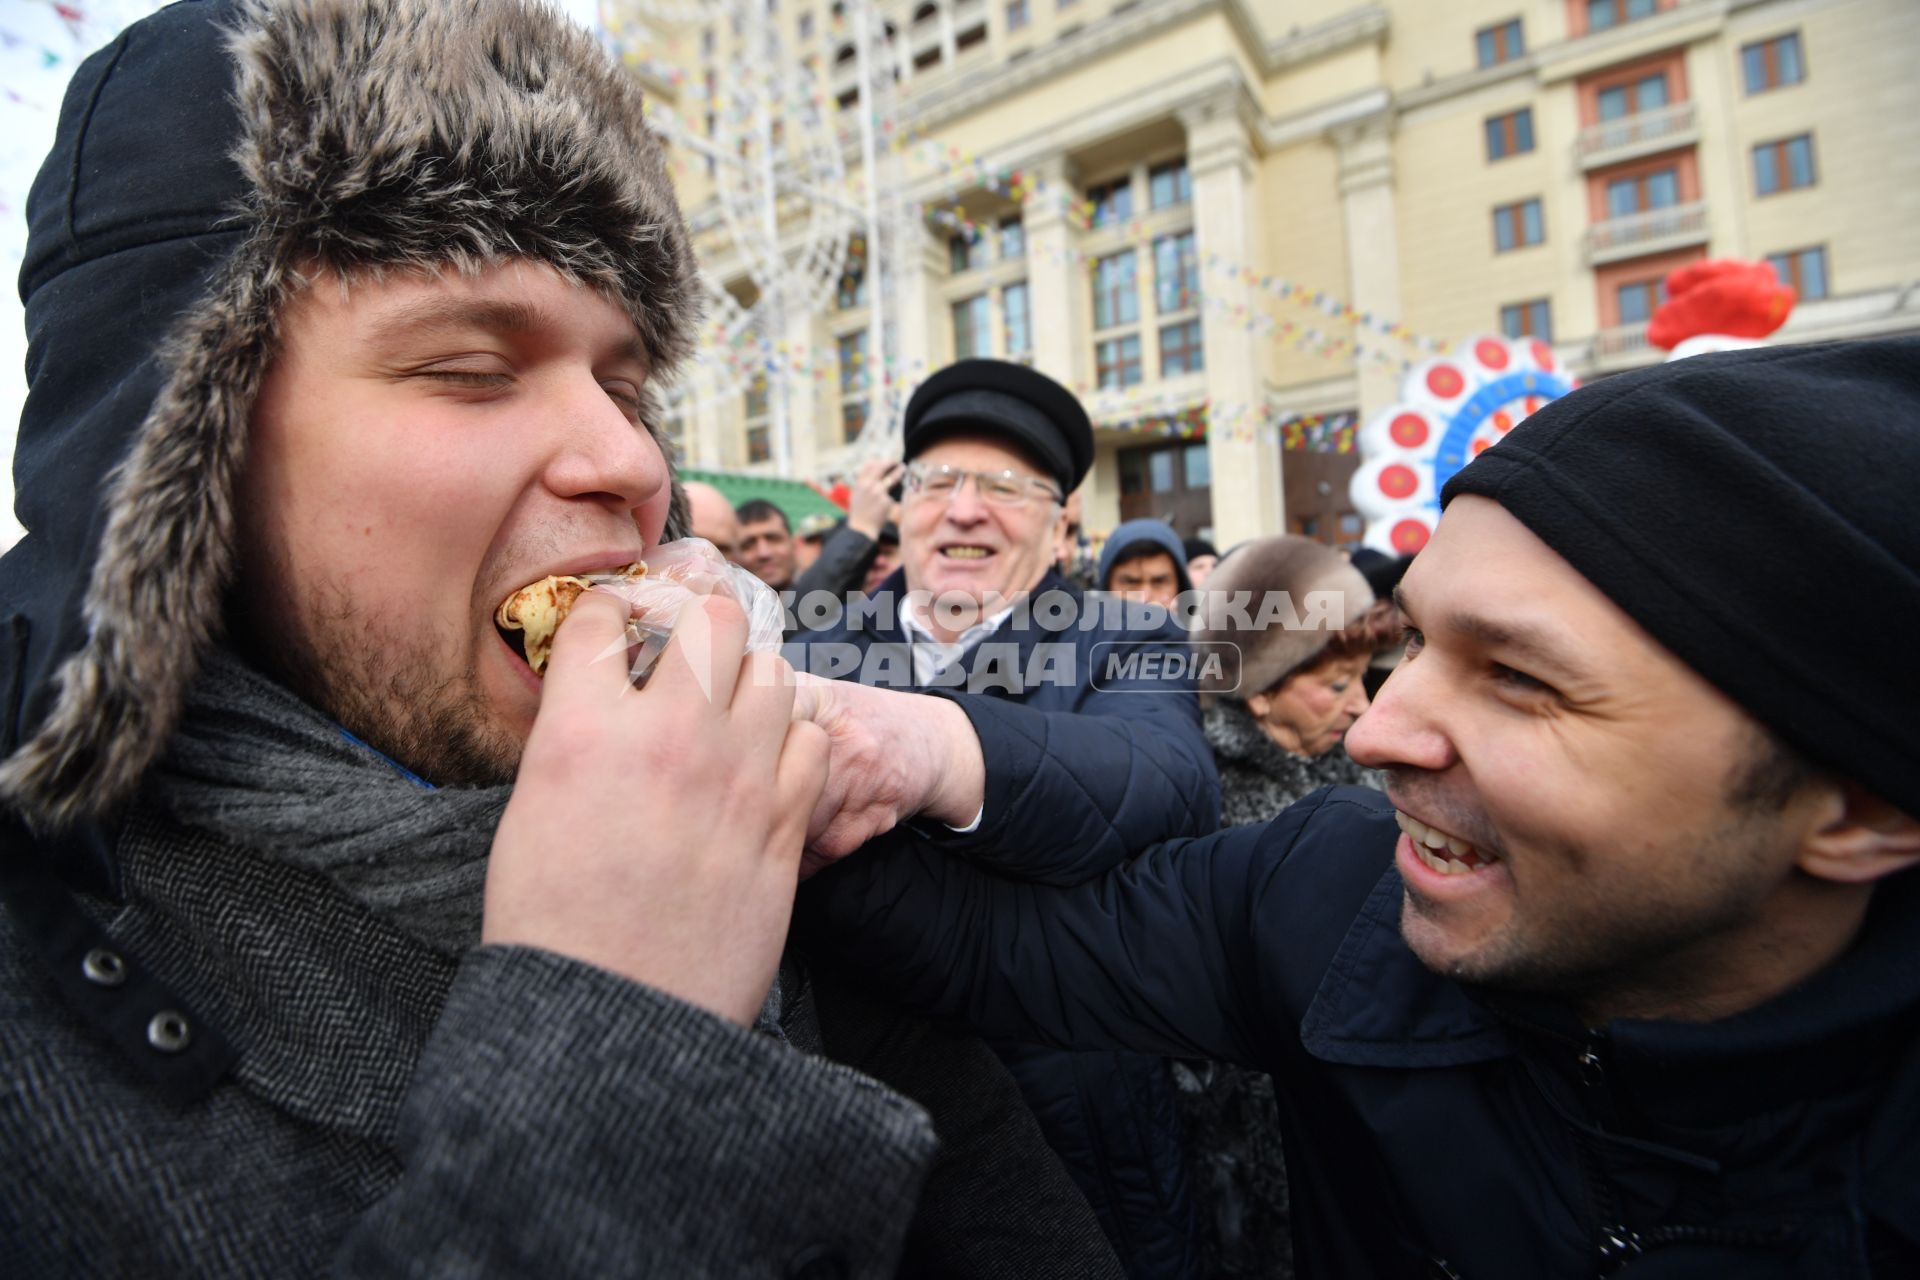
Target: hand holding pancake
[657, 832]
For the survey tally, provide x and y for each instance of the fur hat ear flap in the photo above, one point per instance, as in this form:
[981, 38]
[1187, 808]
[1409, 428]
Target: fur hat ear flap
[1279, 601]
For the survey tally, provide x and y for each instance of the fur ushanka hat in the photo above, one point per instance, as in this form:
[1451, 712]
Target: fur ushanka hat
[203, 160]
[1298, 567]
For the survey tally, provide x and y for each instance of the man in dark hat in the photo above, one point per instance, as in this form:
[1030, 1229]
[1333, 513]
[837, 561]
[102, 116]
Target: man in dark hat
[1618, 977]
[991, 450]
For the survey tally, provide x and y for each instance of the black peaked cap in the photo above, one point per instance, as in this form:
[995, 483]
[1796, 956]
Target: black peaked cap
[1757, 512]
[1000, 398]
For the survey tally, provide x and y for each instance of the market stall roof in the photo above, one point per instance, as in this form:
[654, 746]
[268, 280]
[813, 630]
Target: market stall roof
[795, 497]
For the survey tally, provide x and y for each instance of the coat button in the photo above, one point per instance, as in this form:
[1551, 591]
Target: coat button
[168, 1031]
[104, 968]
[819, 1262]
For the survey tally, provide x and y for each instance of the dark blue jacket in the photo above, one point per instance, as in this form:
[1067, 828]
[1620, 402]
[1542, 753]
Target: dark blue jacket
[1128, 766]
[1432, 1129]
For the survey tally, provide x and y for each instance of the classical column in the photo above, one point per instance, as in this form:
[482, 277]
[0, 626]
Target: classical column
[1373, 250]
[710, 415]
[916, 295]
[1055, 278]
[1248, 497]
[803, 397]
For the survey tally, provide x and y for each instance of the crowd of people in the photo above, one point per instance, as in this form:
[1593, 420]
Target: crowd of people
[1543, 906]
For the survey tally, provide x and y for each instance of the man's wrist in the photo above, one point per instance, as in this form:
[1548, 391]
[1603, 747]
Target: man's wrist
[959, 792]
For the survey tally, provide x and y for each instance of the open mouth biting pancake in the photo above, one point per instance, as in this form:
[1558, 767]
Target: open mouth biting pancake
[528, 618]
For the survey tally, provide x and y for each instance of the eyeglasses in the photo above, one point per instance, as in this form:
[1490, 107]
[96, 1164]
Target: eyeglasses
[1001, 488]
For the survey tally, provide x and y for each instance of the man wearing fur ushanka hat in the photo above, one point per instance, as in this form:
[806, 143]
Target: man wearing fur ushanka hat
[336, 939]
[1618, 978]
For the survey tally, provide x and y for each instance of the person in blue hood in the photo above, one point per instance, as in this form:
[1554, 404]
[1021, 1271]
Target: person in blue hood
[1617, 978]
[1145, 561]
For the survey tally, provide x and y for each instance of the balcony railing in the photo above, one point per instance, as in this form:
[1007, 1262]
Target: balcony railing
[1622, 340]
[1649, 232]
[1641, 134]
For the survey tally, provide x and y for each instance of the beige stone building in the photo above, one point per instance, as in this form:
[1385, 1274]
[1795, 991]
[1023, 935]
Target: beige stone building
[1230, 224]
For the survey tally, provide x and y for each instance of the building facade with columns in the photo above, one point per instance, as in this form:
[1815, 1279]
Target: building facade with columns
[1230, 225]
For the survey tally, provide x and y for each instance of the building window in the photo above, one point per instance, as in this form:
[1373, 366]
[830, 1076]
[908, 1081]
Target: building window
[706, 43]
[1169, 184]
[969, 39]
[806, 25]
[1639, 300]
[1013, 240]
[927, 59]
[853, 362]
[853, 417]
[1516, 226]
[1176, 272]
[1659, 189]
[1510, 134]
[963, 253]
[970, 334]
[1117, 362]
[757, 398]
[1116, 296]
[1783, 165]
[1015, 313]
[759, 444]
[1112, 202]
[1770, 64]
[853, 382]
[1644, 94]
[1018, 14]
[1499, 44]
[1804, 269]
[1602, 14]
[1527, 320]
[852, 290]
[1180, 350]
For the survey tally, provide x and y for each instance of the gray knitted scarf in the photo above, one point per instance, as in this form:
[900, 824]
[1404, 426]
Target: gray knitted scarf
[253, 764]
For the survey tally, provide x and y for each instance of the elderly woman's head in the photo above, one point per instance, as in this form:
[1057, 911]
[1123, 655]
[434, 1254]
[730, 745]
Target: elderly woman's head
[1306, 627]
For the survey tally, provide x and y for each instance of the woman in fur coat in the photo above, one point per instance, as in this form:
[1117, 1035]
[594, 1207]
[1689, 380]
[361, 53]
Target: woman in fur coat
[1275, 735]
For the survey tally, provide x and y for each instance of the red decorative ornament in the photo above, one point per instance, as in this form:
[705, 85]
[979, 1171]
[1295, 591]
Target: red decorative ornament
[1398, 482]
[1721, 296]
[1445, 381]
[1490, 353]
[1409, 431]
[1409, 536]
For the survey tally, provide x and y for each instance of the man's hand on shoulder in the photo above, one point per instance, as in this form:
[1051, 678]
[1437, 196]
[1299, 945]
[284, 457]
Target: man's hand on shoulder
[893, 755]
[657, 832]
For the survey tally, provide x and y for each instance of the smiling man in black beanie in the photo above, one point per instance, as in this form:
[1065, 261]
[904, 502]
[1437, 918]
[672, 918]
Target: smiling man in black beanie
[1620, 978]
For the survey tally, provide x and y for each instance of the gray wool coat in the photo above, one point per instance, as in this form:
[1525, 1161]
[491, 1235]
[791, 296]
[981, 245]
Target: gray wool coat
[390, 1112]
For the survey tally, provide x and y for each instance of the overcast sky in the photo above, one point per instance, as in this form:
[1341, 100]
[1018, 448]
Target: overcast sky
[41, 43]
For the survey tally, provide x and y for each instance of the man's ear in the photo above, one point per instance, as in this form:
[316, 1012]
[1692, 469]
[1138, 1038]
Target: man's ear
[1259, 704]
[1864, 839]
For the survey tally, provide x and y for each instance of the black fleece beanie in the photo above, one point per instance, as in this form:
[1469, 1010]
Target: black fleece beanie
[1759, 513]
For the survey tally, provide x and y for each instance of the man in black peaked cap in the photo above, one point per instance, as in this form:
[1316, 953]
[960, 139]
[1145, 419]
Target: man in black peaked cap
[991, 450]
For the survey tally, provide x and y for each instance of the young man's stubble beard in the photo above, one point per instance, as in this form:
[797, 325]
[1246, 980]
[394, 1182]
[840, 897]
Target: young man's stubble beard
[389, 691]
